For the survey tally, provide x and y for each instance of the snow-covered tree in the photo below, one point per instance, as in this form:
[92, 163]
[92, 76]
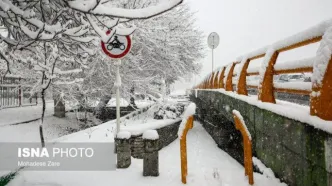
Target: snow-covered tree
[56, 36]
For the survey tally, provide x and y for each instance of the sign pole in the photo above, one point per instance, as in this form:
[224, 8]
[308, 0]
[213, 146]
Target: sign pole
[118, 85]
[118, 48]
[212, 60]
[213, 42]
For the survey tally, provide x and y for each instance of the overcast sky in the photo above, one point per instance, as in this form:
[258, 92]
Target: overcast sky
[246, 25]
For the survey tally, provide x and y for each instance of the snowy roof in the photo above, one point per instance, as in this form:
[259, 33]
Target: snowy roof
[112, 103]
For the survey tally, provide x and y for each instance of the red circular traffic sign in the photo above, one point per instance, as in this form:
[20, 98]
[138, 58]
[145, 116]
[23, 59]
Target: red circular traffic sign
[118, 47]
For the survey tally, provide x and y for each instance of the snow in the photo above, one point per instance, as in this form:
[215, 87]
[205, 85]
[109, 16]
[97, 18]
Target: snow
[53, 128]
[266, 171]
[190, 111]
[294, 85]
[91, 6]
[302, 63]
[238, 70]
[238, 114]
[137, 128]
[264, 65]
[315, 94]
[178, 92]
[123, 135]
[323, 57]
[290, 110]
[11, 116]
[143, 103]
[254, 53]
[151, 135]
[313, 32]
[285, 85]
[112, 103]
[219, 169]
[252, 82]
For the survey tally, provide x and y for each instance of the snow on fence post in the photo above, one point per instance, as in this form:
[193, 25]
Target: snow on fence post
[221, 78]
[123, 150]
[247, 146]
[242, 74]
[265, 86]
[186, 124]
[151, 156]
[321, 98]
[229, 80]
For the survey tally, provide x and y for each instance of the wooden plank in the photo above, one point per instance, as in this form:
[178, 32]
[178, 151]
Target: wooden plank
[257, 57]
[293, 91]
[301, 44]
[291, 71]
[253, 74]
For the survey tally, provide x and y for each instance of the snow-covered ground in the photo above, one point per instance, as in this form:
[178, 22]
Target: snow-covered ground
[15, 115]
[207, 165]
[29, 132]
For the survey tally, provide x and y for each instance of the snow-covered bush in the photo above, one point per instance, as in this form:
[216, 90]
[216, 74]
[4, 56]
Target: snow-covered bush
[168, 111]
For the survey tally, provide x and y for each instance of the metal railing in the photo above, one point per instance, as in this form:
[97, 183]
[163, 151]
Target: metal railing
[13, 94]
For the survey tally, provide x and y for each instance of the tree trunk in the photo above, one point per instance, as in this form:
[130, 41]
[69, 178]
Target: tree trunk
[42, 119]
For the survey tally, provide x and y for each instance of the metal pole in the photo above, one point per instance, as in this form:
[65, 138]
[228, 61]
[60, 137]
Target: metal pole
[118, 84]
[212, 60]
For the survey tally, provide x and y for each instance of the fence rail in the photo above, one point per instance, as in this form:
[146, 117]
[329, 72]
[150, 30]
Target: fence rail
[320, 93]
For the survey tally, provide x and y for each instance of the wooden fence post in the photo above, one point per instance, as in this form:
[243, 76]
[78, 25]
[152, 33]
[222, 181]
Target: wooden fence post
[221, 78]
[247, 148]
[211, 80]
[183, 149]
[242, 84]
[265, 92]
[320, 104]
[215, 81]
[229, 81]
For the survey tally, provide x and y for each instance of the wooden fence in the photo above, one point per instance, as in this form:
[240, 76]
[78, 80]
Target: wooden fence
[320, 94]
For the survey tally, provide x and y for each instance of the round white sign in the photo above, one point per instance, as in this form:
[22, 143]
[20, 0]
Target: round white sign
[213, 40]
[118, 47]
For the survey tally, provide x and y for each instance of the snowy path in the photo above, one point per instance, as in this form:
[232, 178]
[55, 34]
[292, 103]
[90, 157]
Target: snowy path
[207, 165]
[15, 115]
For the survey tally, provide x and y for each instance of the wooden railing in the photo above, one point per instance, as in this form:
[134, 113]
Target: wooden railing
[320, 93]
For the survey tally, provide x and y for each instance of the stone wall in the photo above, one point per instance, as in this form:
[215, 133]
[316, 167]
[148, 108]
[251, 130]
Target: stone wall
[299, 154]
[167, 135]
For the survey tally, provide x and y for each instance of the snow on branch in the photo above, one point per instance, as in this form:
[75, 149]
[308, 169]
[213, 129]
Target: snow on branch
[96, 7]
[78, 80]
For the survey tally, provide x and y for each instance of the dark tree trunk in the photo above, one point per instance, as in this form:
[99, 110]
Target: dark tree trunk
[42, 119]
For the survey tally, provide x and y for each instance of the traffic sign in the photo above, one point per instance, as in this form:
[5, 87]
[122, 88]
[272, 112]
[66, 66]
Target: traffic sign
[213, 40]
[118, 47]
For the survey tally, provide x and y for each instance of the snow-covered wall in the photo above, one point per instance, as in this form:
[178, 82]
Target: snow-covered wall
[297, 149]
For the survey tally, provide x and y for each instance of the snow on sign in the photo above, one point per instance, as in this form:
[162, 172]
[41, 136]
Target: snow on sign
[118, 47]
